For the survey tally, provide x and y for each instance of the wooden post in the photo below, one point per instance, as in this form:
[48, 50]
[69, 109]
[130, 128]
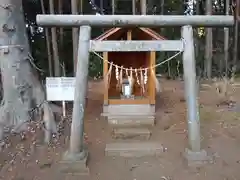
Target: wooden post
[77, 128]
[152, 83]
[105, 71]
[129, 35]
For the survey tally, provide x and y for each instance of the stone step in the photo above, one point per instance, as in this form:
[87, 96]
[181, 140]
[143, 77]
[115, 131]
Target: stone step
[128, 114]
[130, 109]
[131, 121]
[133, 149]
[131, 133]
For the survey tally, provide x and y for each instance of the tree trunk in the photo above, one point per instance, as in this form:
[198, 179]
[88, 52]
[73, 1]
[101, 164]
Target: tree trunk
[74, 7]
[21, 88]
[61, 34]
[47, 36]
[81, 6]
[162, 32]
[60, 10]
[113, 7]
[226, 39]
[235, 50]
[101, 6]
[208, 47]
[197, 41]
[56, 61]
[162, 7]
[133, 7]
[143, 7]
[162, 12]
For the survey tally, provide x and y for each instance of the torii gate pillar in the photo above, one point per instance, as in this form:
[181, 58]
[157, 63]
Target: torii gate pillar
[193, 154]
[75, 159]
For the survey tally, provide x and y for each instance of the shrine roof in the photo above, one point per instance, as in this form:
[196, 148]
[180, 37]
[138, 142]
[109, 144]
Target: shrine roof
[147, 31]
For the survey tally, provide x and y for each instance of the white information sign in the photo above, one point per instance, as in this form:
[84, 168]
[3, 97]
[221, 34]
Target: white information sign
[60, 88]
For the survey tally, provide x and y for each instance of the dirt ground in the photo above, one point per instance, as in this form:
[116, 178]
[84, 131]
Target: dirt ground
[26, 158]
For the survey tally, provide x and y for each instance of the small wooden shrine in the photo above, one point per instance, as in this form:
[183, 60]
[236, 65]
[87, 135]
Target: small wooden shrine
[129, 76]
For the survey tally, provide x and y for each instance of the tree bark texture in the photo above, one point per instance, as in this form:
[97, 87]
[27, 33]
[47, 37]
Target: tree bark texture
[101, 6]
[60, 10]
[21, 88]
[47, 36]
[197, 40]
[113, 7]
[236, 31]
[56, 60]
[209, 45]
[74, 7]
[133, 7]
[81, 7]
[226, 39]
[143, 7]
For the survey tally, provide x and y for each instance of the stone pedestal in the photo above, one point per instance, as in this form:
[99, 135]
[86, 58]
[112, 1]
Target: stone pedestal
[197, 158]
[75, 164]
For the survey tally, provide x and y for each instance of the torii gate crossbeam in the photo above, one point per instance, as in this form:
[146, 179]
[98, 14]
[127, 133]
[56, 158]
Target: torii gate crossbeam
[135, 20]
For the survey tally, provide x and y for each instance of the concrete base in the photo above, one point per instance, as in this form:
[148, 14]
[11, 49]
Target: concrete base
[134, 149]
[75, 164]
[197, 158]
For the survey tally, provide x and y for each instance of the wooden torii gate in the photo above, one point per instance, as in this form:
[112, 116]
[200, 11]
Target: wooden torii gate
[77, 153]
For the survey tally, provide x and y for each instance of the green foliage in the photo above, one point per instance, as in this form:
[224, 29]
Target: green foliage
[95, 66]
